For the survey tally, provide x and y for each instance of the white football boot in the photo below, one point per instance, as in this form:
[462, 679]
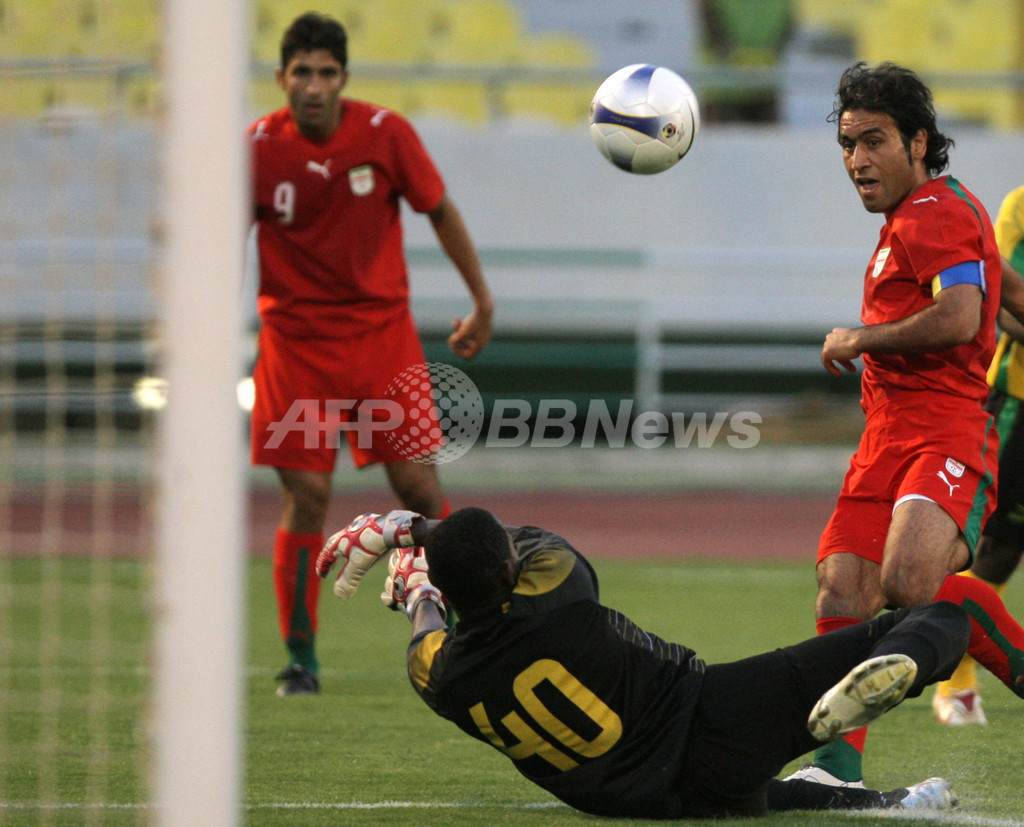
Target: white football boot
[809, 772]
[931, 794]
[868, 691]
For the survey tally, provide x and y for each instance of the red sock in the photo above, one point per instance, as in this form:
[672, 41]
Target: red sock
[997, 640]
[858, 737]
[298, 589]
[446, 509]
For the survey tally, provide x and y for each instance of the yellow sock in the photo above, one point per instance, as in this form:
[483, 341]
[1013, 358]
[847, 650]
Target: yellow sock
[966, 676]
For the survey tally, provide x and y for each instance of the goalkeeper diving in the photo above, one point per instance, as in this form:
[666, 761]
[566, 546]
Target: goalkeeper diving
[611, 719]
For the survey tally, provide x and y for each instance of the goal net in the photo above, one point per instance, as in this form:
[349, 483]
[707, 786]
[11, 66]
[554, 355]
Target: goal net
[120, 264]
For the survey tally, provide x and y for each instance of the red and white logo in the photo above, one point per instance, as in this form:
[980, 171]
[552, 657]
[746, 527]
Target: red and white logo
[955, 468]
[880, 259]
[360, 179]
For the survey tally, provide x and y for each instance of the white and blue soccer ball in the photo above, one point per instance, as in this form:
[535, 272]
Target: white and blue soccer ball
[644, 118]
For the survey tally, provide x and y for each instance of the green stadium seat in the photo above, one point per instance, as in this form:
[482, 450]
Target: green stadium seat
[750, 32]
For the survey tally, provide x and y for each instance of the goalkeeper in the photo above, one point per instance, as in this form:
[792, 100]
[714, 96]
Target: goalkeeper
[611, 719]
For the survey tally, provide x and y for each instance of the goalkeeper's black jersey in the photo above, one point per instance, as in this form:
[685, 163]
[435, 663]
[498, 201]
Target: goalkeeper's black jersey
[584, 702]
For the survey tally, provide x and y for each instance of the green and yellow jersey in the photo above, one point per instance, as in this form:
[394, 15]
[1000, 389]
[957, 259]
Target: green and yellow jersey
[1006, 373]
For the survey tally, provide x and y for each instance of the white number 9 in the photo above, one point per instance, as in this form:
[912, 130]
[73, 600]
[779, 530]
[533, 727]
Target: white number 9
[284, 202]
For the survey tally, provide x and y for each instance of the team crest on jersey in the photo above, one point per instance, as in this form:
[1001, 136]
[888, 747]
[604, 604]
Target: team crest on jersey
[955, 468]
[880, 259]
[360, 179]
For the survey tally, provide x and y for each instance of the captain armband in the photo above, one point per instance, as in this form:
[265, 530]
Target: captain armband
[967, 272]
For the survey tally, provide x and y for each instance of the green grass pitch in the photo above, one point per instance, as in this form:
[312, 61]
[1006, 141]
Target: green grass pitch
[366, 751]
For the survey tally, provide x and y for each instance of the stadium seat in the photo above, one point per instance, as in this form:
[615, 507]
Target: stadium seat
[461, 101]
[556, 51]
[827, 15]
[37, 28]
[79, 28]
[749, 32]
[128, 29]
[944, 37]
[394, 32]
[564, 104]
[56, 95]
[475, 32]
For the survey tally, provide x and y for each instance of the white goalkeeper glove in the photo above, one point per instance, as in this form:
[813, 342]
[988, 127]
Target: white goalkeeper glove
[407, 583]
[359, 545]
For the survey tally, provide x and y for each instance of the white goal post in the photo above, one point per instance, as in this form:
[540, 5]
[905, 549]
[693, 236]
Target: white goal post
[199, 576]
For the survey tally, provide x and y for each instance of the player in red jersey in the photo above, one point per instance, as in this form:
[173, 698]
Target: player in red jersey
[922, 481]
[328, 177]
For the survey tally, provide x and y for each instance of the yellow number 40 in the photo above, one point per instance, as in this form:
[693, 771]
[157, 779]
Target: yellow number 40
[531, 742]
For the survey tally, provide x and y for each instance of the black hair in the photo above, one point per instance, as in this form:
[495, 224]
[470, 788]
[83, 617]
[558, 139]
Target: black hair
[313, 31]
[901, 94]
[466, 556]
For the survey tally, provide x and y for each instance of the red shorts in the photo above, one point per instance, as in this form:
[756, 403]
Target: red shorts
[308, 391]
[922, 450]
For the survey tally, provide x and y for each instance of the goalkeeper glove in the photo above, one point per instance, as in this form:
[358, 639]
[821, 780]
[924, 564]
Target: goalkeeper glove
[407, 583]
[359, 545]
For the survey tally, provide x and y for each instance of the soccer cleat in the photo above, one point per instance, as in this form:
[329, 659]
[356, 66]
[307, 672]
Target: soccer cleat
[871, 689]
[297, 680]
[809, 772]
[959, 709]
[931, 794]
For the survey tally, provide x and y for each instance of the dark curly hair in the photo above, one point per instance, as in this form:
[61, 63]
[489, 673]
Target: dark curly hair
[899, 93]
[314, 31]
[466, 556]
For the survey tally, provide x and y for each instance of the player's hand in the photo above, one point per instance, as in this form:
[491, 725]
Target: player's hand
[358, 546]
[408, 583]
[470, 335]
[839, 349]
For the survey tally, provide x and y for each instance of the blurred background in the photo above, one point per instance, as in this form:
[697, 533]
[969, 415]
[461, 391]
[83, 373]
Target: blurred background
[705, 289]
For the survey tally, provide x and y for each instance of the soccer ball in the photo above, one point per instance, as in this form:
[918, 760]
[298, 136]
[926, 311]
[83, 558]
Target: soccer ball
[644, 118]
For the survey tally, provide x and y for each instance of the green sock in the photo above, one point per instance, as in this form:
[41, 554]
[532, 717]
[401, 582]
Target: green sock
[840, 759]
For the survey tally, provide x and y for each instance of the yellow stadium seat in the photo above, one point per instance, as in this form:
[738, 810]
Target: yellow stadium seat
[79, 29]
[950, 36]
[58, 94]
[551, 50]
[564, 104]
[476, 32]
[119, 28]
[467, 102]
[38, 28]
[379, 31]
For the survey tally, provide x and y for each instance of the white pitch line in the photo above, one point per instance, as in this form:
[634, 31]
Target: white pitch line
[404, 805]
[954, 819]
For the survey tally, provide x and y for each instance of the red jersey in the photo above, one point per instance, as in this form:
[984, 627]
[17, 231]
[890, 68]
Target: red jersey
[328, 216]
[937, 226]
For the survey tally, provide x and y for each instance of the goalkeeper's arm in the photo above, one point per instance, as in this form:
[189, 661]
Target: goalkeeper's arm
[420, 528]
[426, 618]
